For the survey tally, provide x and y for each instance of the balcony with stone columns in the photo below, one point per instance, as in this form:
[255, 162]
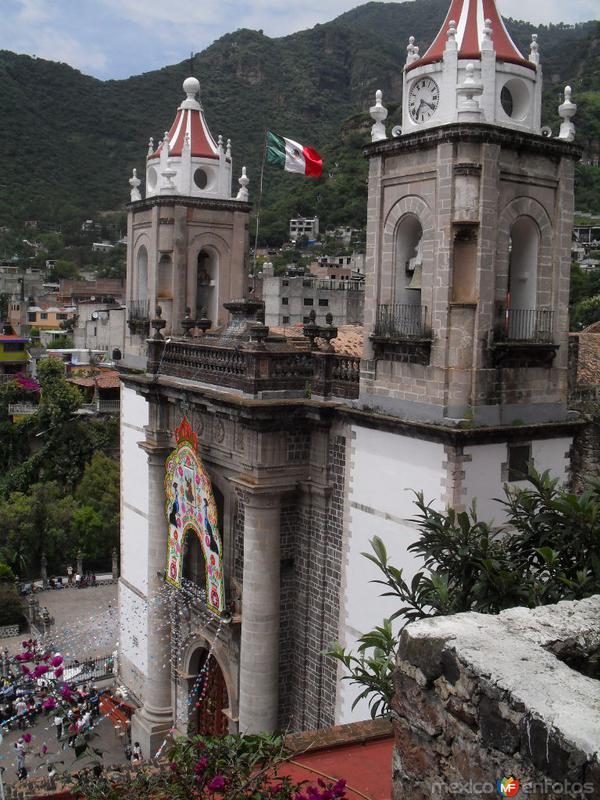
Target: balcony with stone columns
[247, 357]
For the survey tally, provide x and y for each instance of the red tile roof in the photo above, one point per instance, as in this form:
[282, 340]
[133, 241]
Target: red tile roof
[349, 342]
[588, 364]
[105, 379]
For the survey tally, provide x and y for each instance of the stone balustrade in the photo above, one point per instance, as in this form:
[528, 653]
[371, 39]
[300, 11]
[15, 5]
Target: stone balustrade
[255, 368]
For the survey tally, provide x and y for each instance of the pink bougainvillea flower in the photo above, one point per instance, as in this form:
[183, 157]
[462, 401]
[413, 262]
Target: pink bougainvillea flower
[58, 672]
[25, 669]
[201, 765]
[40, 670]
[57, 661]
[217, 784]
[49, 702]
[27, 737]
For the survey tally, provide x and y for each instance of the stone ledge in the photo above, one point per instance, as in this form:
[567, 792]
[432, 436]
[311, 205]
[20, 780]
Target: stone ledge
[339, 735]
[491, 694]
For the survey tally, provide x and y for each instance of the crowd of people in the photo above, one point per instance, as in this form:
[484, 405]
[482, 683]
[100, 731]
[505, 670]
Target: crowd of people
[32, 687]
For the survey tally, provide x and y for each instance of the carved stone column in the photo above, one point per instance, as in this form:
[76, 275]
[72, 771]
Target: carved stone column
[153, 720]
[259, 656]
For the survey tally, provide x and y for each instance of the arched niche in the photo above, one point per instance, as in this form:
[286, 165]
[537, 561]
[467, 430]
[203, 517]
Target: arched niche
[142, 277]
[207, 284]
[164, 278]
[408, 261]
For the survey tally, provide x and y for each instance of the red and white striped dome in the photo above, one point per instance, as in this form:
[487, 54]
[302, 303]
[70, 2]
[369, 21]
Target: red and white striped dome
[189, 122]
[470, 16]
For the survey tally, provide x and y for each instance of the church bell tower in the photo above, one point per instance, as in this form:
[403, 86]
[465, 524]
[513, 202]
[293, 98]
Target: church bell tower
[188, 237]
[469, 230]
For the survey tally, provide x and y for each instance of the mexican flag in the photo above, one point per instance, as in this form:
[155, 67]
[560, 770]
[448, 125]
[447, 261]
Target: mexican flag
[292, 156]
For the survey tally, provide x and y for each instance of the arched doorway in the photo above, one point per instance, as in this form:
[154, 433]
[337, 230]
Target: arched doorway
[209, 695]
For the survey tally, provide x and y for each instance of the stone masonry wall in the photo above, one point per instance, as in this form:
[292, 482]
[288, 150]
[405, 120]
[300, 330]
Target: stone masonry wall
[482, 697]
[317, 569]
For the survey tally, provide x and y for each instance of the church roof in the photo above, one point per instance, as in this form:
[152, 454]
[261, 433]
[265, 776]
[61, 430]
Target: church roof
[189, 122]
[470, 16]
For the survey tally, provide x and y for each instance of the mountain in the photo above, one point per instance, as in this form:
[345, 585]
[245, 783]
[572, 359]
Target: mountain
[70, 141]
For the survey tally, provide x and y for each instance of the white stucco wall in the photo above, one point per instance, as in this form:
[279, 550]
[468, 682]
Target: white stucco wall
[484, 478]
[384, 468]
[133, 617]
[134, 490]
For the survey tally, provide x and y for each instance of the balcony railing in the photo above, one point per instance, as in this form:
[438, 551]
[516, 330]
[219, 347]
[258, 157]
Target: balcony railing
[401, 321]
[533, 325]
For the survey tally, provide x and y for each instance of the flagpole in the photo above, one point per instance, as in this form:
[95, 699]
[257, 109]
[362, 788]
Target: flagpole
[260, 194]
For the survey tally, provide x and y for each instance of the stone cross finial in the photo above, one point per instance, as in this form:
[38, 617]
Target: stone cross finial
[451, 42]
[134, 182]
[150, 146]
[566, 111]
[534, 49]
[486, 40]
[379, 113]
[469, 109]
[243, 180]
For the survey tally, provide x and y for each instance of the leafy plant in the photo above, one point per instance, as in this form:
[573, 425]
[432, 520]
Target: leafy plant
[225, 767]
[548, 550]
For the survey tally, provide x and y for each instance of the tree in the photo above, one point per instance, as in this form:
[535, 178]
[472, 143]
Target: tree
[586, 312]
[63, 342]
[548, 550]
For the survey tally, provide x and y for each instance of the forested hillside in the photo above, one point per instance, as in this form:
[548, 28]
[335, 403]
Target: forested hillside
[70, 141]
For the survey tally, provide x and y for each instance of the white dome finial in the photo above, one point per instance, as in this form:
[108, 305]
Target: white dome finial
[191, 86]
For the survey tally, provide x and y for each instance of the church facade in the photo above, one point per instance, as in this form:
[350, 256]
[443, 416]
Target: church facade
[256, 469]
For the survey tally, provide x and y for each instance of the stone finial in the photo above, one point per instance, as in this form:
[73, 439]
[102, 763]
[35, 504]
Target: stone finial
[410, 50]
[566, 111]
[191, 86]
[168, 186]
[451, 41]
[228, 148]
[220, 143]
[469, 109]
[486, 39]
[150, 146]
[534, 49]
[135, 182]
[243, 181]
[379, 113]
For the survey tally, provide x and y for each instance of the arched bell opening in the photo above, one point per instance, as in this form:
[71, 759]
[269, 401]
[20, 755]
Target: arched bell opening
[405, 313]
[523, 316]
[142, 276]
[207, 285]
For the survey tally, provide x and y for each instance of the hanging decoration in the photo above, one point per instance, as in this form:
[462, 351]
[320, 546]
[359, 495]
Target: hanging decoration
[191, 511]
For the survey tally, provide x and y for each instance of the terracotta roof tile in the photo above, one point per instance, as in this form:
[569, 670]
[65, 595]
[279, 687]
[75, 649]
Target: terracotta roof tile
[588, 365]
[105, 379]
[349, 342]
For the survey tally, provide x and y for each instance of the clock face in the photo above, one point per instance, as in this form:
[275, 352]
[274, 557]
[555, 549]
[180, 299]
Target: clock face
[423, 99]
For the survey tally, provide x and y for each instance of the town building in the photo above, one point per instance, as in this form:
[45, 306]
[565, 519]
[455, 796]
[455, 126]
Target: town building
[304, 226]
[14, 357]
[100, 327]
[256, 467]
[289, 300]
